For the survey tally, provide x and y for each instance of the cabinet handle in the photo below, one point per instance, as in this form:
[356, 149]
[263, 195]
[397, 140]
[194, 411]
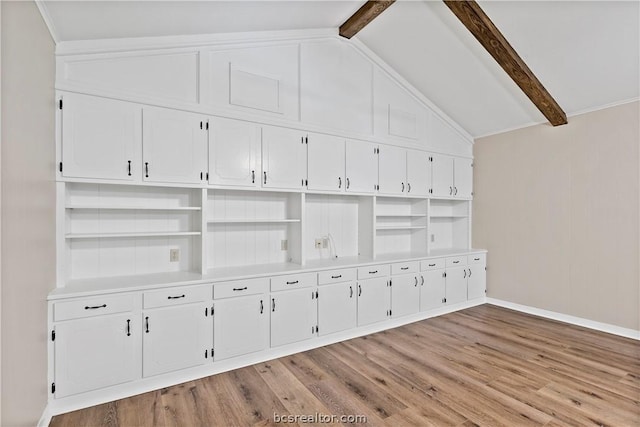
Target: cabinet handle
[455, 191]
[261, 307]
[336, 277]
[253, 177]
[293, 283]
[146, 169]
[403, 187]
[469, 272]
[455, 262]
[432, 265]
[350, 291]
[128, 327]
[450, 191]
[178, 297]
[359, 290]
[129, 167]
[416, 285]
[265, 177]
[421, 280]
[240, 289]
[347, 183]
[146, 320]
[408, 188]
[95, 307]
[465, 273]
[339, 182]
[404, 268]
[476, 259]
[373, 272]
[273, 304]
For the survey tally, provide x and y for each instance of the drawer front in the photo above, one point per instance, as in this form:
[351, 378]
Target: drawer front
[372, 271]
[177, 296]
[457, 261]
[293, 281]
[336, 276]
[432, 264]
[95, 306]
[477, 259]
[405, 267]
[238, 288]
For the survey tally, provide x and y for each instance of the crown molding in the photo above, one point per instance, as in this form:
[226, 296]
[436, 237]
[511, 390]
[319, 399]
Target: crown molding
[42, 7]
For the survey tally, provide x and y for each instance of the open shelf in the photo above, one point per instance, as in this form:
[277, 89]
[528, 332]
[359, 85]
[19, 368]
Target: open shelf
[134, 208]
[400, 227]
[449, 216]
[120, 235]
[401, 216]
[252, 221]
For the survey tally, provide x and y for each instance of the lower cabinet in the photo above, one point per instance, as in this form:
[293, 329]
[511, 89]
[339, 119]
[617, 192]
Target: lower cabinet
[294, 316]
[373, 300]
[476, 281]
[405, 295]
[96, 352]
[176, 338]
[337, 307]
[241, 326]
[432, 289]
[456, 285]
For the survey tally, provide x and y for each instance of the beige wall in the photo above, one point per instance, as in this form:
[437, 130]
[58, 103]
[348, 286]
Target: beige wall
[28, 213]
[557, 208]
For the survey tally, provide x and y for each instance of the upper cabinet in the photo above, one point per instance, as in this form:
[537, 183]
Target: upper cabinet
[234, 153]
[418, 173]
[361, 167]
[335, 86]
[174, 146]
[392, 170]
[452, 176]
[284, 158]
[260, 80]
[100, 138]
[463, 177]
[326, 163]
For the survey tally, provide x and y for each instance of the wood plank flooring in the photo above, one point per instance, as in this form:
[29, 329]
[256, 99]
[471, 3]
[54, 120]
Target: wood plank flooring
[484, 366]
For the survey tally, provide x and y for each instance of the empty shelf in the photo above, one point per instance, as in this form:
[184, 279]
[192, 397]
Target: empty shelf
[143, 234]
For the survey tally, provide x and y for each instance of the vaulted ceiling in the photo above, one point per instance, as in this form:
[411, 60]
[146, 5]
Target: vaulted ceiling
[586, 53]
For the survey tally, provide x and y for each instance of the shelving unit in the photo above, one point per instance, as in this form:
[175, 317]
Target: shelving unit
[400, 226]
[449, 224]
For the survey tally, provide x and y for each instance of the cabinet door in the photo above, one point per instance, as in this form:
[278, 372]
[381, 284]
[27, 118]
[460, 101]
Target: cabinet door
[361, 167]
[174, 146]
[456, 290]
[432, 289]
[392, 170]
[326, 163]
[418, 173]
[284, 158]
[442, 175]
[96, 352]
[294, 316]
[373, 300]
[476, 281]
[463, 177]
[241, 326]
[337, 308]
[176, 338]
[405, 295]
[234, 153]
[100, 138]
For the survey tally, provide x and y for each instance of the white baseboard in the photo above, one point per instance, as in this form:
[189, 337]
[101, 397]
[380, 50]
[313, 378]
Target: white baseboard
[579, 321]
[45, 419]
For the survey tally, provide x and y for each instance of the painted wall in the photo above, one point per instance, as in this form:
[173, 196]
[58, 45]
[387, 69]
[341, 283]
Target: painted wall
[28, 209]
[557, 208]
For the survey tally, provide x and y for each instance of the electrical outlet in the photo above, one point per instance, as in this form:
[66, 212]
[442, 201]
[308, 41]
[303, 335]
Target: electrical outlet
[318, 243]
[433, 238]
[325, 242]
[284, 245]
[174, 255]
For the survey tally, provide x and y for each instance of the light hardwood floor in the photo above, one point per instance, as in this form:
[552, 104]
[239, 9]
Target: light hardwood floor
[483, 366]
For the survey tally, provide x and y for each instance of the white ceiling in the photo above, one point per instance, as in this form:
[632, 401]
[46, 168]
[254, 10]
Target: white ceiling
[587, 54]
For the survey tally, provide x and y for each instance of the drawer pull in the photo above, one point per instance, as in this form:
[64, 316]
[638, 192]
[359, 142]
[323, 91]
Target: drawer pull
[350, 291]
[273, 304]
[240, 289]
[373, 272]
[261, 307]
[476, 259]
[455, 262]
[128, 327]
[178, 297]
[293, 283]
[146, 320]
[336, 277]
[404, 268]
[432, 265]
[359, 290]
[95, 307]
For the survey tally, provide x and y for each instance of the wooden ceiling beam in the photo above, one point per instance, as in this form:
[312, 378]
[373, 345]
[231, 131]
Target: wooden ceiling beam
[476, 21]
[367, 13]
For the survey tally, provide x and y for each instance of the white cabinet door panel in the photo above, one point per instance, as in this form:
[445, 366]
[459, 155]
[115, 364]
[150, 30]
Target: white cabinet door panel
[234, 153]
[284, 158]
[361, 167]
[326, 163]
[294, 316]
[432, 289]
[373, 300]
[463, 177]
[418, 173]
[176, 338]
[337, 308]
[405, 295]
[456, 285]
[241, 326]
[174, 146]
[476, 281]
[442, 175]
[100, 138]
[96, 352]
[392, 170]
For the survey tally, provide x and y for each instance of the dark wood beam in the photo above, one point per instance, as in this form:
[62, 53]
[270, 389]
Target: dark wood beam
[367, 13]
[476, 21]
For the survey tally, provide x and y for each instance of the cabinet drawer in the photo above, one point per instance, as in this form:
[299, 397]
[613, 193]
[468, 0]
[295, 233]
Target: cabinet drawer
[373, 271]
[177, 296]
[239, 288]
[432, 264]
[457, 261]
[336, 276]
[477, 259]
[404, 267]
[95, 306]
[293, 281]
